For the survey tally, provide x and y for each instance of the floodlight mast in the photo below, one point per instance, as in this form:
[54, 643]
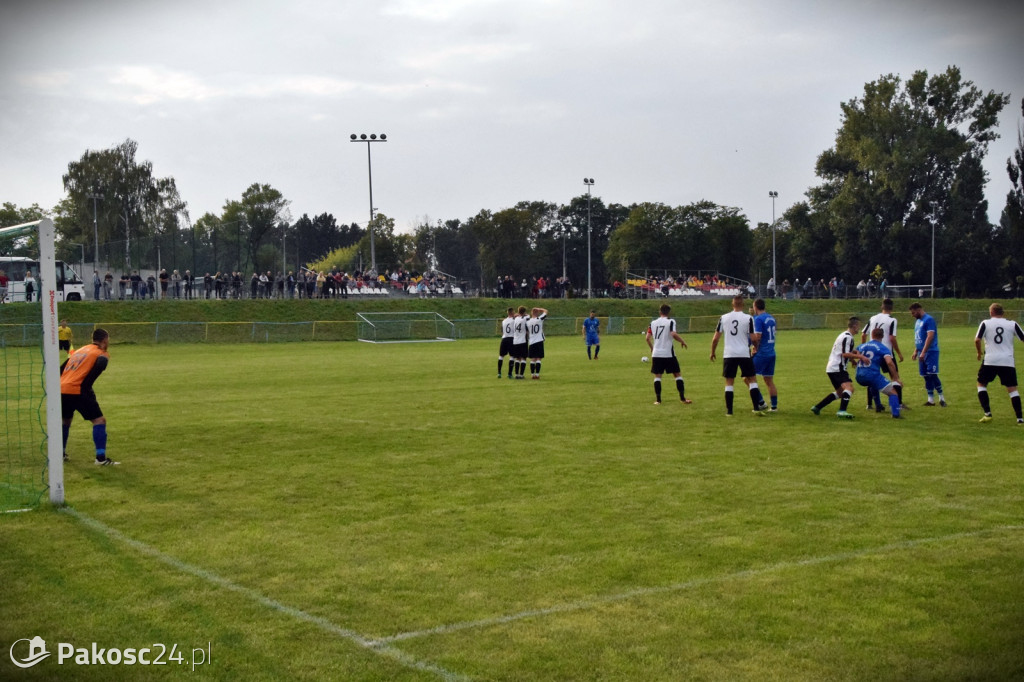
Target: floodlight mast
[589, 182]
[369, 168]
[774, 195]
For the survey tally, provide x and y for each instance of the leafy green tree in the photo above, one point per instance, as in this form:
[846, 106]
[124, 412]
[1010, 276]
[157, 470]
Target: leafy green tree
[890, 177]
[11, 215]
[811, 246]
[450, 247]
[508, 239]
[257, 217]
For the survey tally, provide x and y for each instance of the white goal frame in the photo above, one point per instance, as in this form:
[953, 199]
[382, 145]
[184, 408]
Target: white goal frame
[373, 327]
[51, 355]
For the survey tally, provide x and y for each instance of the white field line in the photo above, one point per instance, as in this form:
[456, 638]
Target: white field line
[596, 602]
[377, 646]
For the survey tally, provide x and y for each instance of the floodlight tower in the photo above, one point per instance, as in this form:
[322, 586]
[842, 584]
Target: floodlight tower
[95, 196]
[369, 168]
[589, 182]
[774, 195]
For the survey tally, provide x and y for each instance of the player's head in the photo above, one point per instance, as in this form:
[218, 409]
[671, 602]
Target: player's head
[887, 305]
[593, 313]
[535, 312]
[510, 311]
[737, 302]
[759, 305]
[853, 323]
[877, 334]
[996, 310]
[665, 309]
[101, 338]
[916, 310]
[522, 310]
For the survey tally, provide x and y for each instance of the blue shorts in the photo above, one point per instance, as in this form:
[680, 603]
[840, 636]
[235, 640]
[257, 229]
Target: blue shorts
[593, 339]
[764, 365]
[928, 363]
[875, 380]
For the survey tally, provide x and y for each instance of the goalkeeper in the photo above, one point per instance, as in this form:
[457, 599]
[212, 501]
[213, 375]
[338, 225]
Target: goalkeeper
[78, 373]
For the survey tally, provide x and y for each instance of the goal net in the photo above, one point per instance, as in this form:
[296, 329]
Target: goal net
[404, 327]
[30, 441]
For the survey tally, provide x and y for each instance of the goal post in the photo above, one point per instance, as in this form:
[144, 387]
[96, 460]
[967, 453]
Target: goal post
[33, 444]
[408, 327]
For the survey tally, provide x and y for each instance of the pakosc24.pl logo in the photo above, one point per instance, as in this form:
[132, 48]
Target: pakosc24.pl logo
[28, 655]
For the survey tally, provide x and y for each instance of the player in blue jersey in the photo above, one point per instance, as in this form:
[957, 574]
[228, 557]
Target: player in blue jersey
[869, 373]
[764, 358]
[926, 352]
[591, 327]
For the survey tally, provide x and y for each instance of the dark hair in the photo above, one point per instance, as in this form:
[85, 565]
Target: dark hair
[853, 322]
[887, 304]
[916, 306]
[665, 308]
[99, 335]
[759, 304]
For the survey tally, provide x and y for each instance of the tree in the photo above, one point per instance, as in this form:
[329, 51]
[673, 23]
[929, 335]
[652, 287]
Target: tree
[261, 211]
[11, 215]
[135, 204]
[890, 177]
[1011, 222]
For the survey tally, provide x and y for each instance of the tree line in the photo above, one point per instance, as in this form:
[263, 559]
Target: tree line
[905, 173]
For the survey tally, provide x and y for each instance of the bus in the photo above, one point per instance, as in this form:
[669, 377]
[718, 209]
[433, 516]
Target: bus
[70, 286]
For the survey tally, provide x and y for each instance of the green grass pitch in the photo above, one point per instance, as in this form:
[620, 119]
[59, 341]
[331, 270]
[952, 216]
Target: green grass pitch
[349, 511]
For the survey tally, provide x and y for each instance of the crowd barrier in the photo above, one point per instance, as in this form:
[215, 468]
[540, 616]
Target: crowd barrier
[285, 332]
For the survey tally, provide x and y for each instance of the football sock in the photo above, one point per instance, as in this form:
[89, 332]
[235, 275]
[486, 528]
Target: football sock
[597, 351]
[894, 404]
[899, 393]
[1015, 401]
[538, 368]
[755, 395]
[99, 438]
[499, 366]
[65, 430]
[657, 389]
[681, 387]
[588, 353]
[830, 398]
[728, 399]
[775, 402]
[983, 399]
[845, 402]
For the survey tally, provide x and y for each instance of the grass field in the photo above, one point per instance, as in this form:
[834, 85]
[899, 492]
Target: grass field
[356, 512]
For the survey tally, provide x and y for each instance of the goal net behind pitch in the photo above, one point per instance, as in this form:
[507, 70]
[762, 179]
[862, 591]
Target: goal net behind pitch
[404, 327]
[30, 442]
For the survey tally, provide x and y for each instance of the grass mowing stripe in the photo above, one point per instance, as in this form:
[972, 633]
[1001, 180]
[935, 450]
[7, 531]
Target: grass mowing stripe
[688, 585]
[379, 646]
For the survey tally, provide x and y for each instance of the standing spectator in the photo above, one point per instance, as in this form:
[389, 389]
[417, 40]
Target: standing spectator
[208, 285]
[874, 354]
[108, 285]
[97, 284]
[771, 287]
[843, 350]
[254, 285]
[122, 286]
[738, 329]
[764, 359]
[151, 288]
[660, 335]
[926, 352]
[164, 280]
[4, 282]
[136, 282]
[30, 286]
[997, 333]
[861, 289]
[176, 283]
[187, 282]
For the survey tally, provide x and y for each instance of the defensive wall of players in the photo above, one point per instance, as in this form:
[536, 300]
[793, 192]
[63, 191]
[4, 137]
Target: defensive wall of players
[346, 330]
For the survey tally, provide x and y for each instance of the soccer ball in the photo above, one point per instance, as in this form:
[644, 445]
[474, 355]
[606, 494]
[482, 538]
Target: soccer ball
[643, 359]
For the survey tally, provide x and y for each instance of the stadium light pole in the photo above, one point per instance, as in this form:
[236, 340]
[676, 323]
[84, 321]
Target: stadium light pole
[589, 182]
[95, 196]
[369, 168]
[933, 259]
[774, 195]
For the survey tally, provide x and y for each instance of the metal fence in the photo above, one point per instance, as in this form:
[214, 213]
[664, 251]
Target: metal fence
[327, 330]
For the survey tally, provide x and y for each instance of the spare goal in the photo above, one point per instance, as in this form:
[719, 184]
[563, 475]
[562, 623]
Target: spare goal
[404, 327]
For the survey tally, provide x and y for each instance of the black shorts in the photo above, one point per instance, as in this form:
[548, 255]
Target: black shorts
[537, 351]
[744, 365]
[85, 404]
[518, 350]
[64, 345]
[839, 378]
[506, 346]
[885, 365]
[1007, 375]
[669, 365]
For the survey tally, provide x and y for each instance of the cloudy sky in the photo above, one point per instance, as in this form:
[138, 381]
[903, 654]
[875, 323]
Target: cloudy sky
[485, 103]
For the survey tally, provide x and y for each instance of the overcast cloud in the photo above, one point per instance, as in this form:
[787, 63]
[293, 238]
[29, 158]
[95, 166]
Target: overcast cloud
[485, 102]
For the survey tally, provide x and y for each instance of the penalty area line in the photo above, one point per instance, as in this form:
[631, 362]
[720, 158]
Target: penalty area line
[597, 602]
[377, 646]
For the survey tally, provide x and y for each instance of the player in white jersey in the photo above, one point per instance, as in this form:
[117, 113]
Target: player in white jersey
[738, 329]
[998, 333]
[887, 323]
[536, 332]
[843, 350]
[519, 339]
[660, 335]
[507, 327]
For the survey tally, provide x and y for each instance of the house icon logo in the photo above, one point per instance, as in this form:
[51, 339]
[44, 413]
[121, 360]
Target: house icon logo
[36, 652]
